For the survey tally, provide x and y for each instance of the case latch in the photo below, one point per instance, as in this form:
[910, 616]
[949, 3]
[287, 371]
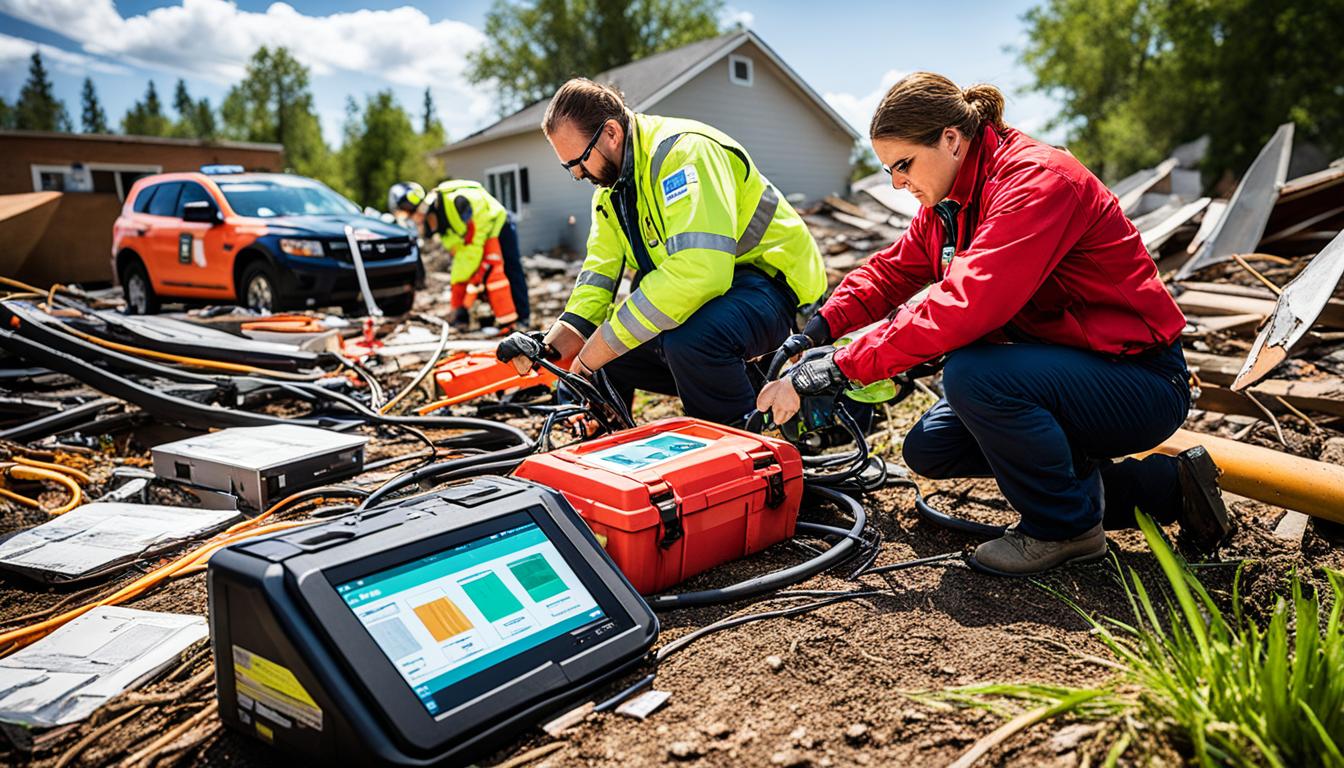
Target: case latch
[670, 514]
[774, 488]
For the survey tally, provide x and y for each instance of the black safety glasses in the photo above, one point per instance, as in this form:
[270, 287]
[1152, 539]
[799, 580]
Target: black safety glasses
[588, 150]
[900, 166]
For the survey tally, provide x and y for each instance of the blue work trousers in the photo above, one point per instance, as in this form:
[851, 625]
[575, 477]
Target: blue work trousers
[704, 360]
[1045, 421]
[513, 269]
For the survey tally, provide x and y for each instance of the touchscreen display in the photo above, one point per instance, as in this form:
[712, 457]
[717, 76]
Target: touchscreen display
[445, 617]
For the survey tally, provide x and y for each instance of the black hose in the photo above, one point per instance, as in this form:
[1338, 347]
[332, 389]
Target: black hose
[453, 469]
[940, 518]
[778, 579]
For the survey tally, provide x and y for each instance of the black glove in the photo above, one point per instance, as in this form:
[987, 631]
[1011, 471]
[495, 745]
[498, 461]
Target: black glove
[817, 373]
[529, 345]
[818, 330]
[460, 319]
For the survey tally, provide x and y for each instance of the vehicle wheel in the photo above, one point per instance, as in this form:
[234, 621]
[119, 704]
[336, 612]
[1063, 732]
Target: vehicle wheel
[397, 305]
[257, 290]
[139, 293]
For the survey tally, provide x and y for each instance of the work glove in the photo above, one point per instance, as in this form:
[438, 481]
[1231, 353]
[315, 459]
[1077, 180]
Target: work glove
[819, 331]
[817, 373]
[522, 348]
[460, 319]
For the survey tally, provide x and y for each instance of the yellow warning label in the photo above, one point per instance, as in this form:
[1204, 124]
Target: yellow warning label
[264, 732]
[271, 691]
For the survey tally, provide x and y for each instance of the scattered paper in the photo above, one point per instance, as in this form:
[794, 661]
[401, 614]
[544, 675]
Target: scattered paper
[643, 705]
[67, 675]
[97, 538]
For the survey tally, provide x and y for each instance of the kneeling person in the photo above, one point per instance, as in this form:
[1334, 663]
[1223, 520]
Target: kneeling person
[481, 235]
[722, 262]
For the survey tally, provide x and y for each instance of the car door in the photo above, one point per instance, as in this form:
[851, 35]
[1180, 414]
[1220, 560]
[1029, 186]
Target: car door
[160, 238]
[200, 270]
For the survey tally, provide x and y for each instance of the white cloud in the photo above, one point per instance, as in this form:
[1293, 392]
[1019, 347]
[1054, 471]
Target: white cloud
[15, 53]
[732, 17]
[214, 38]
[858, 110]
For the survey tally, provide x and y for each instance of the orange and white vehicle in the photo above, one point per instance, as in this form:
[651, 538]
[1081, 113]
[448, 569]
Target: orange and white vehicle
[267, 241]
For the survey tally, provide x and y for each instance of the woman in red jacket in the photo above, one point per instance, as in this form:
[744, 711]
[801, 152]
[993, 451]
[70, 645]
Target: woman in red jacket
[1062, 345]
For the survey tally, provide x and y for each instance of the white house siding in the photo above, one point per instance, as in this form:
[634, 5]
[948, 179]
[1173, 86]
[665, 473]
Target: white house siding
[554, 196]
[797, 147]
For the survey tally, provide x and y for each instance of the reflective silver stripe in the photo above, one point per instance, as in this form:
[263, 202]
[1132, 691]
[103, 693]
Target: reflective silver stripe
[626, 317]
[683, 240]
[660, 321]
[760, 221]
[660, 154]
[594, 278]
[609, 336]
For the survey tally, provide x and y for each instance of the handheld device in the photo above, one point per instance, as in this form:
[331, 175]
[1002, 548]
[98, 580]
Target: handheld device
[422, 631]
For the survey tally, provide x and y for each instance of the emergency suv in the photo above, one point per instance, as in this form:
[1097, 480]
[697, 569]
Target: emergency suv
[267, 241]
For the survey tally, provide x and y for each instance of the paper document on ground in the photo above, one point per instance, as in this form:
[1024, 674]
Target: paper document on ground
[65, 676]
[93, 538]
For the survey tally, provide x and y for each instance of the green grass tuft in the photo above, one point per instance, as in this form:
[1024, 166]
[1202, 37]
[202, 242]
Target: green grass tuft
[1228, 690]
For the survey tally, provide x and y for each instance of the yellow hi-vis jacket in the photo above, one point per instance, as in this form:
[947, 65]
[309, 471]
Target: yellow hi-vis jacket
[474, 216]
[704, 211]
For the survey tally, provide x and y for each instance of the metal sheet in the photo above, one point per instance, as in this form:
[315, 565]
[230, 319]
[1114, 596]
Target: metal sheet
[1240, 228]
[1132, 188]
[1156, 233]
[1297, 309]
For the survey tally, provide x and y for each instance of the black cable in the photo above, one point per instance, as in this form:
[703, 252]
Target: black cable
[938, 517]
[452, 469]
[778, 579]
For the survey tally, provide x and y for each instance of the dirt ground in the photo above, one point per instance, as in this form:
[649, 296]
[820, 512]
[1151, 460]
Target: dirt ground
[839, 686]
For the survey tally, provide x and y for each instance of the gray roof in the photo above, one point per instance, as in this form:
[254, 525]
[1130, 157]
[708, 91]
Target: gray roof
[643, 83]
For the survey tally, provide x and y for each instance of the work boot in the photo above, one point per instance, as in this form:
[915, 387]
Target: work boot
[1203, 516]
[1017, 554]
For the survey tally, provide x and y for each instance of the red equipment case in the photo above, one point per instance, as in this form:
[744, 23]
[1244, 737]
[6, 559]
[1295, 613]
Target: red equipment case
[678, 496]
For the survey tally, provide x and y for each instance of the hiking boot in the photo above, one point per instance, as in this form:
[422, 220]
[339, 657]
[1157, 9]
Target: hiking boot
[1017, 554]
[1203, 516]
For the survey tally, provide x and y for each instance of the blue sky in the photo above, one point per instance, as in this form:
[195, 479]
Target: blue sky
[850, 52]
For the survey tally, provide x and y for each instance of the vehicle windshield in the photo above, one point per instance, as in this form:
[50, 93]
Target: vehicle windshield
[265, 198]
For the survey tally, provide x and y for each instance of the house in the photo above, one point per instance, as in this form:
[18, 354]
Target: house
[735, 83]
[60, 193]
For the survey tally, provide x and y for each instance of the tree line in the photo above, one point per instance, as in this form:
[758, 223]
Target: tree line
[382, 143]
[538, 45]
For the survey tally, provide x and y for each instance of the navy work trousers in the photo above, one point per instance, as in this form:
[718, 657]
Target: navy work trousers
[513, 269]
[1046, 420]
[703, 361]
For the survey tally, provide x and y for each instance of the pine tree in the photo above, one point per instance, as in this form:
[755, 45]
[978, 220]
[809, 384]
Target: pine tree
[38, 109]
[146, 118]
[94, 118]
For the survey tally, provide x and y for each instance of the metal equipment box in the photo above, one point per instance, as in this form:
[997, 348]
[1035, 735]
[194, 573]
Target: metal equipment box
[261, 465]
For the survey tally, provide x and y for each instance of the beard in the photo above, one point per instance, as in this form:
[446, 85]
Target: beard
[606, 174]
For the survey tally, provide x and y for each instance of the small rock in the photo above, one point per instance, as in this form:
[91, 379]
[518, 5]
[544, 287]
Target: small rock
[791, 758]
[1333, 451]
[948, 670]
[684, 750]
[774, 662]
[718, 730]
[798, 733]
[1068, 738]
[825, 762]
[856, 733]
[662, 730]
[913, 715]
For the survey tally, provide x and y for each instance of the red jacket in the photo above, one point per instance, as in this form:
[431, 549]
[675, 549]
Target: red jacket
[1051, 258]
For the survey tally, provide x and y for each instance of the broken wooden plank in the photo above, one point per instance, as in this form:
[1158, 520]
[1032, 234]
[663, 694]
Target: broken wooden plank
[1202, 326]
[1241, 226]
[1325, 396]
[1302, 302]
[1205, 303]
